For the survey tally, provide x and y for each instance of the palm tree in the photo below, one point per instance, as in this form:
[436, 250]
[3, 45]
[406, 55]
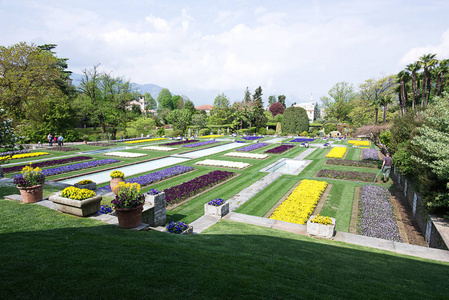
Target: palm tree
[403, 77]
[384, 101]
[428, 61]
[414, 67]
[440, 70]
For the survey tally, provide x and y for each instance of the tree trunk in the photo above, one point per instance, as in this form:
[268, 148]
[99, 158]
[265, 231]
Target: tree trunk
[437, 85]
[442, 84]
[404, 96]
[414, 89]
[376, 113]
[385, 114]
[423, 96]
[429, 87]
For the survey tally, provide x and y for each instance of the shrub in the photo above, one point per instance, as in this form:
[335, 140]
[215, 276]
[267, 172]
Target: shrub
[205, 131]
[271, 132]
[295, 120]
[262, 131]
[328, 127]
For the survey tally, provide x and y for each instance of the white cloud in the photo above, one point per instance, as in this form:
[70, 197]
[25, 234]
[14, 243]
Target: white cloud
[158, 23]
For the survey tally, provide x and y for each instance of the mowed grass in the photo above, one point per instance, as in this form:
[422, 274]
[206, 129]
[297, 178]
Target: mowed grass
[49, 255]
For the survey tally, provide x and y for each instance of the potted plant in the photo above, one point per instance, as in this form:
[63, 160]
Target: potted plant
[179, 228]
[116, 177]
[321, 226]
[86, 184]
[217, 207]
[128, 204]
[30, 183]
[78, 202]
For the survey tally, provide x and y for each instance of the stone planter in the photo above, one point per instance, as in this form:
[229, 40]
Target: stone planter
[217, 211]
[80, 208]
[31, 194]
[320, 230]
[90, 186]
[115, 182]
[154, 211]
[129, 217]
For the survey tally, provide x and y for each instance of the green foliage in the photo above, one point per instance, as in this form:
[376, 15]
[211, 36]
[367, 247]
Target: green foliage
[220, 112]
[151, 103]
[271, 132]
[176, 133]
[295, 120]
[180, 119]
[281, 99]
[279, 128]
[142, 125]
[164, 100]
[199, 120]
[188, 104]
[385, 138]
[328, 127]
[161, 131]
[177, 102]
[205, 131]
[339, 103]
[271, 100]
[262, 130]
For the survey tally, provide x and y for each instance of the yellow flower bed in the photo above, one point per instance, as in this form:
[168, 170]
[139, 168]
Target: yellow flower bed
[74, 193]
[300, 204]
[24, 155]
[359, 143]
[322, 220]
[337, 152]
[144, 141]
[211, 136]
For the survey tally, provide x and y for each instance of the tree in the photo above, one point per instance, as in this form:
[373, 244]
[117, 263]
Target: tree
[271, 100]
[338, 104]
[413, 68]
[281, 99]
[177, 102]
[180, 119]
[8, 138]
[220, 112]
[295, 120]
[142, 125]
[151, 103]
[428, 61]
[403, 78]
[247, 98]
[199, 120]
[188, 104]
[164, 100]
[384, 101]
[260, 119]
[276, 109]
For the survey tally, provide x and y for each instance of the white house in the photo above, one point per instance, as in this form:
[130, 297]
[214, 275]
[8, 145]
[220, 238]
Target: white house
[309, 107]
[140, 102]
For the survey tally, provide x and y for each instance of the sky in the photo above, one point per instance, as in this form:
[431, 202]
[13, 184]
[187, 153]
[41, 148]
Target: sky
[201, 49]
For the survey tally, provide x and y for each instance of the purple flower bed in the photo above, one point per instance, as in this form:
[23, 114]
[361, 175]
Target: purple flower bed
[216, 202]
[75, 167]
[192, 187]
[351, 163]
[302, 140]
[376, 214]
[252, 147]
[279, 149]
[200, 144]
[347, 175]
[370, 154]
[47, 163]
[180, 143]
[155, 176]
[252, 138]
[6, 153]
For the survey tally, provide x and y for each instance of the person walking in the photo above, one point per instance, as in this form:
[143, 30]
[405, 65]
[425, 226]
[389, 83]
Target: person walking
[386, 167]
[50, 139]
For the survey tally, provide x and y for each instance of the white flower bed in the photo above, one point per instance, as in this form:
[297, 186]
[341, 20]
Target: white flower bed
[124, 154]
[246, 155]
[223, 163]
[158, 148]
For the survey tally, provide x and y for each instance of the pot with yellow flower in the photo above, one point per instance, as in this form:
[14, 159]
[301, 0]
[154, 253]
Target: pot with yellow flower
[116, 177]
[78, 202]
[86, 184]
[128, 204]
[321, 226]
[30, 183]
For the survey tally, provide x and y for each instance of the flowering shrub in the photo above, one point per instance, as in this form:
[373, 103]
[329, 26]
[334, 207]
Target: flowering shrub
[128, 195]
[153, 192]
[321, 220]
[370, 154]
[302, 140]
[280, 149]
[252, 147]
[47, 163]
[85, 181]
[350, 175]
[300, 204]
[189, 188]
[105, 209]
[23, 155]
[376, 214]
[359, 143]
[29, 177]
[216, 202]
[143, 141]
[246, 155]
[200, 144]
[337, 152]
[180, 143]
[117, 174]
[223, 163]
[158, 148]
[74, 193]
[124, 154]
[176, 227]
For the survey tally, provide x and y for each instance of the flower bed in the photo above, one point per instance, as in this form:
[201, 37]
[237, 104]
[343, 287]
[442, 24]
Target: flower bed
[252, 138]
[252, 147]
[337, 152]
[246, 155]
[101, 144]
[158, 148]
[155, 176]
[211, 136]
[47, 163]
[200, 144]
[7, 153]
[192, 187]
[23, 155]
[124, 154]
[347, 175]
[302, 140]
[300, 204]
[223, 163]
[279, 149]
[376, 214]
[62, 149]
[180, 143]
[359, 143]
[351, 163]
[370, 154]
[144, 141]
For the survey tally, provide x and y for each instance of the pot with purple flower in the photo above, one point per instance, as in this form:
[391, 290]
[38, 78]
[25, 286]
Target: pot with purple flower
[179, 228]
[30, 183]
[128, 204]
[217, 207]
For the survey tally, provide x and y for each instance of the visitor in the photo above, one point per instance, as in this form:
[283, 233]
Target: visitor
[386, 167]
[50, 139]
[55, 139]
[60, 140]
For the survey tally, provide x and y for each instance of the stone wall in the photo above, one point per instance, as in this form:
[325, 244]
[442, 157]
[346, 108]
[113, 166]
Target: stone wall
[154, 211]
[426, 222]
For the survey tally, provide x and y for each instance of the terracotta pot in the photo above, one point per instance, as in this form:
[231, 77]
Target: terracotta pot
[129, 217]
[31, 194]
[115, 182]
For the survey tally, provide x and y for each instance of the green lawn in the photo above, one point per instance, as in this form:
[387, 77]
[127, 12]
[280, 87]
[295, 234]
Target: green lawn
[49, 255]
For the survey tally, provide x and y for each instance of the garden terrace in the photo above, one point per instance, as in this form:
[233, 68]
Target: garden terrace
[351, 163]
[280, 149]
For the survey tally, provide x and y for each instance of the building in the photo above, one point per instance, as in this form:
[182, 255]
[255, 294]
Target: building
[309, 107]
[207, 108]
[140, 102]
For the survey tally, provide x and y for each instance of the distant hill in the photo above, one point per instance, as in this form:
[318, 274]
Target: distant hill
[153, 89]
